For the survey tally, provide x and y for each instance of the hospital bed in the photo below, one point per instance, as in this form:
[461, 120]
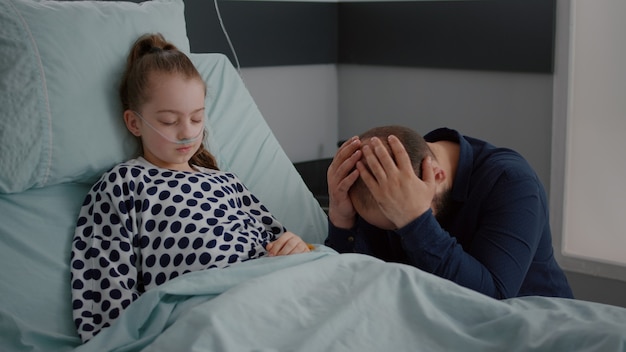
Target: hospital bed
[61, 128]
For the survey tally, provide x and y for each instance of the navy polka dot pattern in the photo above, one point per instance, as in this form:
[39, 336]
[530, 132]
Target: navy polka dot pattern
[141, 226]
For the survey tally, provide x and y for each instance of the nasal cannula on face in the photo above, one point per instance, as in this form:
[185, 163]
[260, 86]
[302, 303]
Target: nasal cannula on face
[176, 141]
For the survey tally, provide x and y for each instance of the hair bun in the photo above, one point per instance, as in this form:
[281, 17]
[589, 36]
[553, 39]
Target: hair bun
[155, 49]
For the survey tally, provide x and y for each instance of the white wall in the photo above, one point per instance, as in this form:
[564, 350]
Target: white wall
[589, 197]
[508, 109]
[311, 107]
[299, 104]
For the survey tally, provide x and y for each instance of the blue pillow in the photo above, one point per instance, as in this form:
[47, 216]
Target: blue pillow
[60, 65]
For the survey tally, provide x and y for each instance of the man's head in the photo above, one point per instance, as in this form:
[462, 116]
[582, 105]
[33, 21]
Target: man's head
[417, 149]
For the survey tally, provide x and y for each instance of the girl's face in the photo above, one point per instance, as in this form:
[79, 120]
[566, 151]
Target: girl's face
[176, 109]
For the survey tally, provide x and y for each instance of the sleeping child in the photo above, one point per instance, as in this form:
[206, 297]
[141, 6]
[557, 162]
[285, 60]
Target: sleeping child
[170, 211]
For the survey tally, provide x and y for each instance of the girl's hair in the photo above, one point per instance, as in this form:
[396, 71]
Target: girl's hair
[414, 144]
[151, 53]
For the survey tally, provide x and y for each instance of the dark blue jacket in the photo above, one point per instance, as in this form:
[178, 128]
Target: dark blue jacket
[496, 239]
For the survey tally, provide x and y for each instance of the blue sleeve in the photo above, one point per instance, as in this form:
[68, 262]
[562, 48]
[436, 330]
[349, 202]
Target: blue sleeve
[503, 245]
[341, 240]
[353, 240]
[362, 238]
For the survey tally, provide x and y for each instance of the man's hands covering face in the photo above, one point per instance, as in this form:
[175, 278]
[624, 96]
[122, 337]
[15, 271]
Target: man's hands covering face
[400, 194]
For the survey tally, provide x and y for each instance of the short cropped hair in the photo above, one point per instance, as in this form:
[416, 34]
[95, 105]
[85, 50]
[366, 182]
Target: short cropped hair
[415, 145]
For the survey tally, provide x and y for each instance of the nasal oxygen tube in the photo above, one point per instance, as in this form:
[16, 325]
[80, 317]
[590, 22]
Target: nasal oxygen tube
[176, 141]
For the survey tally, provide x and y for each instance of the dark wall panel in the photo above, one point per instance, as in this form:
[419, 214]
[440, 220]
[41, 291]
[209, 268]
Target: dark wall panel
[265, 33]
[503, 35]
[508, 35]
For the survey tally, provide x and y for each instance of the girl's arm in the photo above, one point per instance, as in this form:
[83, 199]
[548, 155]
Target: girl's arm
[103, 270]
[281, 241]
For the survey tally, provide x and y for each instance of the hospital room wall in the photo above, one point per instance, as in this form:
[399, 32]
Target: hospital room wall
[312, 96]
[508, 109]
[512, 109]
[312, 107]
[287, 54]
[300, 104]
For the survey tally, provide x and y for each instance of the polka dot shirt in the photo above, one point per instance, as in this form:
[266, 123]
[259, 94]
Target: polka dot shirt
[141, 226]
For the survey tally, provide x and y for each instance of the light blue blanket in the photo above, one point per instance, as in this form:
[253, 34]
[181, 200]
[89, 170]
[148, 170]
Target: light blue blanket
[322, 301]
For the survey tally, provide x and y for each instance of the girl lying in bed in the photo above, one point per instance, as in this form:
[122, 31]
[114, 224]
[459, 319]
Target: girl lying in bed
[170, 211]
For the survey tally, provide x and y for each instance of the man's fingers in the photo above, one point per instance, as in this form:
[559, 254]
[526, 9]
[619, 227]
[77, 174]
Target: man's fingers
[349, 180]
[402, 159]
[348, 141]
[348, 148]
[345, 159]
[364, 173]
[375, 186]
[382, 153]
[373, 163]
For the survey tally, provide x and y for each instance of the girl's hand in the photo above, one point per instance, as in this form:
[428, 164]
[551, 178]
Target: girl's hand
[341, 175]
[287, 243]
